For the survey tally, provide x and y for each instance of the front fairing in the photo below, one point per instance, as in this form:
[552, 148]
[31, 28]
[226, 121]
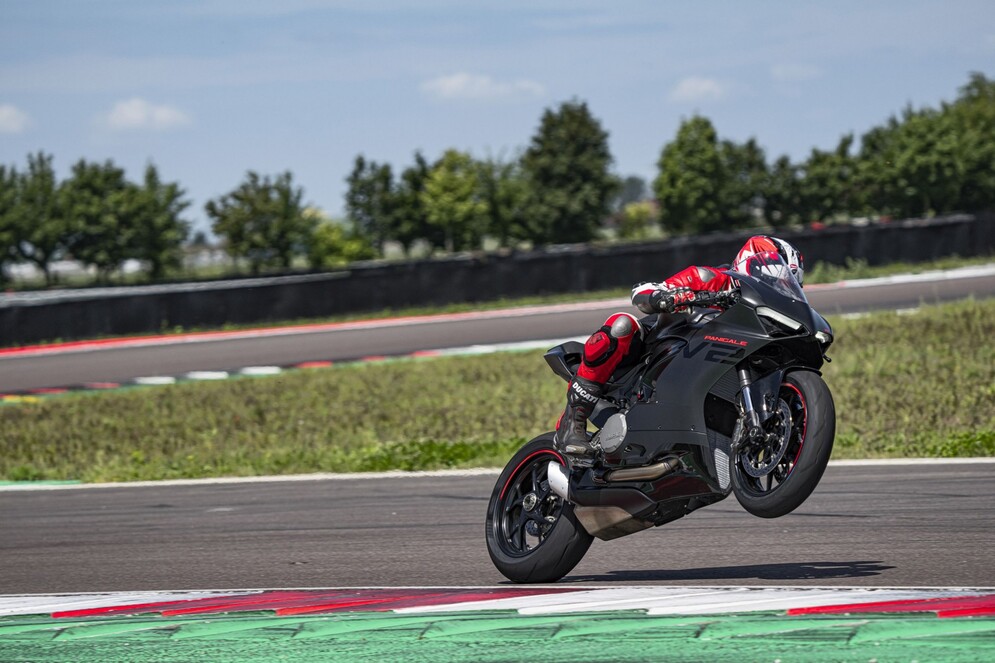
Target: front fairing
[759, 294]
[771, 270]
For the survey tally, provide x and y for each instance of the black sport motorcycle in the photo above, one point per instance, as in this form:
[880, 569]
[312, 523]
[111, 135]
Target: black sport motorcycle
[726, 397]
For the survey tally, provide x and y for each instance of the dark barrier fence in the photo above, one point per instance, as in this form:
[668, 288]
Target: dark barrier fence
[33, 317]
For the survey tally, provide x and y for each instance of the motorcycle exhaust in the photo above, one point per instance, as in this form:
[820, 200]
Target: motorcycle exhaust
[645, 473]
[556, 474]
[559, 481]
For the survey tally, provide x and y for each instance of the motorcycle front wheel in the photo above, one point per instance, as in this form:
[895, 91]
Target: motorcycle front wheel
[773, 479]
[532, 534]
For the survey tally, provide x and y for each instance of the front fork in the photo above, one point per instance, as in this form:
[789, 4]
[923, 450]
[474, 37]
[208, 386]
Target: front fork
[757, 402]
[751, 417]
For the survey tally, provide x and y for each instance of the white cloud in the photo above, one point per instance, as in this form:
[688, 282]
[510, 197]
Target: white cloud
[793, 73]
[696, 88]
[140, 114]
[12, 119]
[477, 86]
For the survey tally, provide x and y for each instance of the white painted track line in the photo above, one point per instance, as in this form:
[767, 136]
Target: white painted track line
[37, 604]
[398, 474]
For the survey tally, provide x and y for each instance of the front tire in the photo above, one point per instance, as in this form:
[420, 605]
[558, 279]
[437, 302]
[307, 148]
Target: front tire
[532, 534]
[809, 422]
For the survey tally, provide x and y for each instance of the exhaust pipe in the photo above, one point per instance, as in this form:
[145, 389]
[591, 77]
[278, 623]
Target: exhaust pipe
[559, 480]
[556, 474]
[645, 473]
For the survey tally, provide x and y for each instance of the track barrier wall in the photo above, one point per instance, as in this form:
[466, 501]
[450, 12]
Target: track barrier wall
[88, 313]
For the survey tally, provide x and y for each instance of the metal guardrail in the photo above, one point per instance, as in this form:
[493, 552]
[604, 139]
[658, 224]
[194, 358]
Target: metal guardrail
[28, 317]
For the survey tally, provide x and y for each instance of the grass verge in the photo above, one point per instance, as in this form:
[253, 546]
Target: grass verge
[904, 385]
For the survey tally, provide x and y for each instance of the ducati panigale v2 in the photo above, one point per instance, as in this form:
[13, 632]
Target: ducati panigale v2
[726, 397]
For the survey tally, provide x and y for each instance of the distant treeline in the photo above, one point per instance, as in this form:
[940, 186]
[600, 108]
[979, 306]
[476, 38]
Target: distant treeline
[559, 189]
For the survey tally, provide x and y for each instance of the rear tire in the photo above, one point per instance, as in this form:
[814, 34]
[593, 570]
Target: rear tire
[532, 534]
[812, 431]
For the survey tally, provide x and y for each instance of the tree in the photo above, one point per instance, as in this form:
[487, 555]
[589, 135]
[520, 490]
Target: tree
[934, 161]
[333, 245]
[829, 184]
[973, 116]
[930, 165]
[101, 210]
[409, 221]
[745, 178]
[506, 192]
[370, 200]
[692, 176]
[263, 221]
[782, 196]
[637, 219]
[632, 190]
[42, 228]
[567, 168]
[913, 166]
[159, 231]
[8, 233]
[452, 201]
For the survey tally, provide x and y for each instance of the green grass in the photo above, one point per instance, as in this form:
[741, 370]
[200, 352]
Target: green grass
[912, 385]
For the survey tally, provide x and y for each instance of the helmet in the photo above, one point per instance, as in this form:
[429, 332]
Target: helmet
[762, 244]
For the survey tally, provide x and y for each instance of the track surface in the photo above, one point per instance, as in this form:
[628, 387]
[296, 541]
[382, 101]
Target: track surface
[864, 526]
[122, 363]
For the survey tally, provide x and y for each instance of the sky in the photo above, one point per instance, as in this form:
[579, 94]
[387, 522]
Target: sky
[211, 89]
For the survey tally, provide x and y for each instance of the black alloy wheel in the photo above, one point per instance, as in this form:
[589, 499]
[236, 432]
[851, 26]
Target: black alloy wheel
[532, 533]
[769, 463]
[528, 507]
[773, 477]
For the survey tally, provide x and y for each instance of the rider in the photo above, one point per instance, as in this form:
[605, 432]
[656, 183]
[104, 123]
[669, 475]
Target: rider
[609, 345]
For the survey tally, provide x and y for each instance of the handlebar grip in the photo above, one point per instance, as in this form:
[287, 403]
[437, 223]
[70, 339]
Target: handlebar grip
[670, 302]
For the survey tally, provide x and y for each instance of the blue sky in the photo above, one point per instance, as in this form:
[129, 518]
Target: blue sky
[208, 90]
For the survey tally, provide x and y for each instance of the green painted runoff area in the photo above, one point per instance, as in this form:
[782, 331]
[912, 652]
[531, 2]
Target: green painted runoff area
[499, 636]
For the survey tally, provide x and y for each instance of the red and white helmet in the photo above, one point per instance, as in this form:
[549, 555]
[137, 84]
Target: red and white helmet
[762, 244]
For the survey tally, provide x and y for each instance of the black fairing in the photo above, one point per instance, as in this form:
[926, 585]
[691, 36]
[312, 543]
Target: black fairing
[682, 396]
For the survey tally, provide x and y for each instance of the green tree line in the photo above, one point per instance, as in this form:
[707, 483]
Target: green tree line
[560, 189]
[95, 215]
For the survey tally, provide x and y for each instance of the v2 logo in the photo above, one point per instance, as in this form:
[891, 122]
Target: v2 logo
[716, 353]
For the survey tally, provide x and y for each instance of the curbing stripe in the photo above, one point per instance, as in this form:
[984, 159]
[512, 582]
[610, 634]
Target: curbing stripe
[206, 375]
[265, 371]
[153, 381]
[547, 601]
[260, 370]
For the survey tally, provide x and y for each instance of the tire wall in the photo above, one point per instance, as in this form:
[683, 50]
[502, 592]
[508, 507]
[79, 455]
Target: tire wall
[372, 287]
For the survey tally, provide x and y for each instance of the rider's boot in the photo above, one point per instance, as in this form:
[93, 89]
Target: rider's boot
[571, 432]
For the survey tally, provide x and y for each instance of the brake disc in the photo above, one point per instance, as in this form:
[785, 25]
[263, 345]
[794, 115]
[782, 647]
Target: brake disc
[758, 460]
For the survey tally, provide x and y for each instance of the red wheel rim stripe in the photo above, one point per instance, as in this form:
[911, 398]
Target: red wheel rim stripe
[527, 459]
[804, 420]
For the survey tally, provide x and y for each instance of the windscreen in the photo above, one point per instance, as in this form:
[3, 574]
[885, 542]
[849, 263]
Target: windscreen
[770, 268]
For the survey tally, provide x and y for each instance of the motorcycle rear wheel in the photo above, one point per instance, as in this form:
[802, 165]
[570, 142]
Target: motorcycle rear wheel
[811, 431]
[532, 534]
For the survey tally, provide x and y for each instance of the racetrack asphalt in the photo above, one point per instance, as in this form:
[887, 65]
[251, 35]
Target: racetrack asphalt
[873, 526]
[119, 363]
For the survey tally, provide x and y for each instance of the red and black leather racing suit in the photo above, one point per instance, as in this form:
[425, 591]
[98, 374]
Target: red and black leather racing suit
[611, 344]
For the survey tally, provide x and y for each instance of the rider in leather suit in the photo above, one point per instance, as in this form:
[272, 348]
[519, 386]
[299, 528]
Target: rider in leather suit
[622, 332]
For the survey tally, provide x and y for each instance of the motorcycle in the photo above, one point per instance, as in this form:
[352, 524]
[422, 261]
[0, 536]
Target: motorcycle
[725, 397]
